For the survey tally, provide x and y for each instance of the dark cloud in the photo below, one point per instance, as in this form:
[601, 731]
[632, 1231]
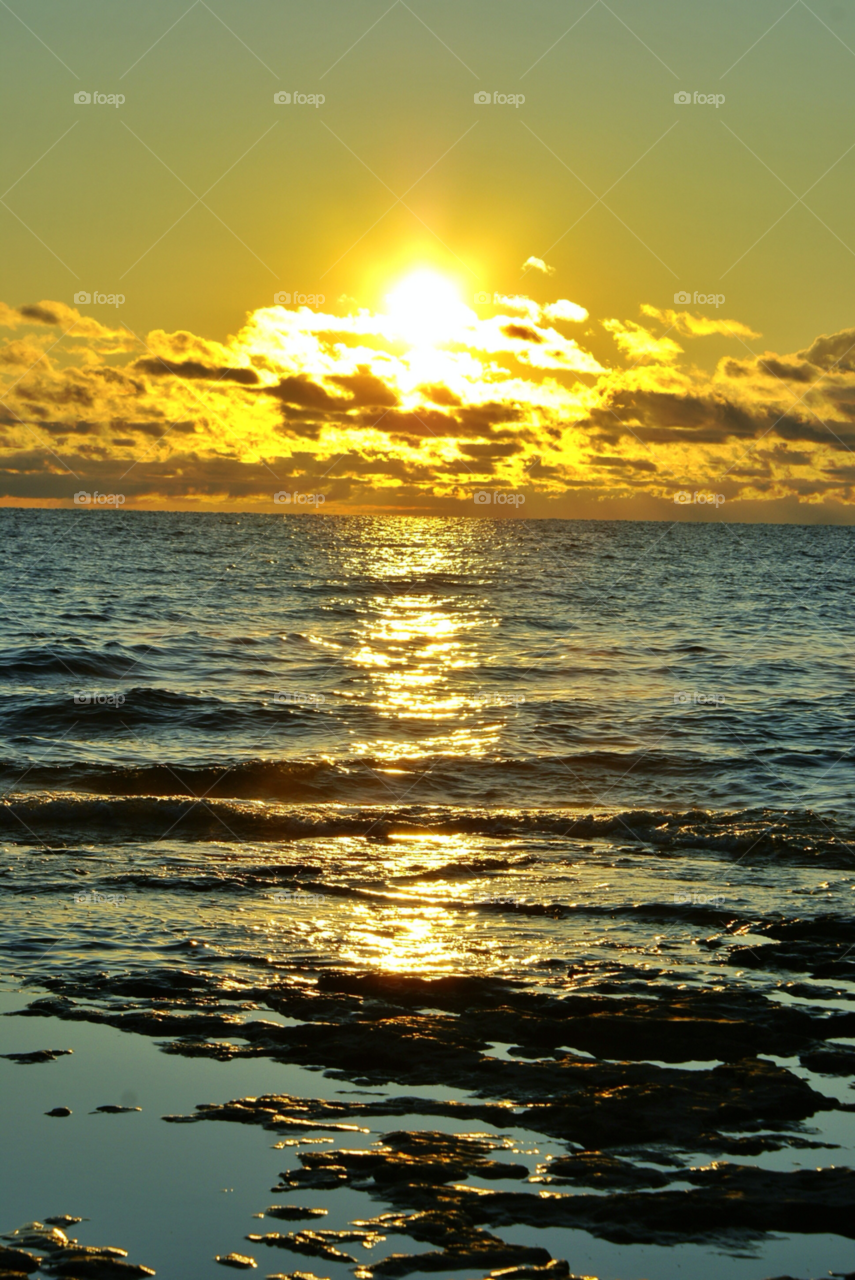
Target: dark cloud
[789, 372]
[637, 464]
[834, 351]
[40, 314]
[524, 333]
[491, 450]
[440, 395]
[304, 394]
[158, 368]
[366, 389]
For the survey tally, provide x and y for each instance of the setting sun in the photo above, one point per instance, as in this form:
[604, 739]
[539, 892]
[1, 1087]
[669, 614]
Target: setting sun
[426, 308]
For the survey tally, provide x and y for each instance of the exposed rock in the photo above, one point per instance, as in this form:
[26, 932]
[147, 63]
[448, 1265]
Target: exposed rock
[295, 1275]
[37, 1055]
[293, 1212]
[594, 1169]
[311, 1243]
[17, 1260]
[726, 1198]
[415, 1157]
[111, 1110]
[479, 1251]
[61, 1111]
[79, 1251]
[36, 1235]
[823, 947]
[371, 1023]
[554, 1270]
[86, 1267]
[593, 1104]
[831, 1060]
[63, 1219]
[240, 1260]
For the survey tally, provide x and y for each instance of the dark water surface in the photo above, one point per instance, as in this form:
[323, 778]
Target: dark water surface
[247, 760]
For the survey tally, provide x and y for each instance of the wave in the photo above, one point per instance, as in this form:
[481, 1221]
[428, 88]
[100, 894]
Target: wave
[72, 659]
[797, 836]
[538, 778]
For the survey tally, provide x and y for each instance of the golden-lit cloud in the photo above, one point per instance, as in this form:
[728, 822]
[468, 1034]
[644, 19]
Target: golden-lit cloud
[537, 264]
[689, 326]
[413, 407]
[638, 343]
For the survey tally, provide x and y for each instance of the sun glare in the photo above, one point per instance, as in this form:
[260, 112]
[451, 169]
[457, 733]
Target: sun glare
[426, 308]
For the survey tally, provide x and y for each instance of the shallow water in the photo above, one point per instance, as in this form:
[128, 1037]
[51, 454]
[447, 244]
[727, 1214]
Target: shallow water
[176, 1195]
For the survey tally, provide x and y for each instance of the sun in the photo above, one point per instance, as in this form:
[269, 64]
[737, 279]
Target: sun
[425, 309]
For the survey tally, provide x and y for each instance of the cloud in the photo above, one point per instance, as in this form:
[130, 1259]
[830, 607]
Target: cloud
[564, 310]
[193, 369]
[689, 326]
[537, 264]
[639, 343]
[341, 404]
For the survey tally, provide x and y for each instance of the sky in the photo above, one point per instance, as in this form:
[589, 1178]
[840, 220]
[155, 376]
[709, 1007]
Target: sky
[620, 287]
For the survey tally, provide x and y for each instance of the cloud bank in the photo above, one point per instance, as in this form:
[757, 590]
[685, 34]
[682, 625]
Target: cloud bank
[349, 407]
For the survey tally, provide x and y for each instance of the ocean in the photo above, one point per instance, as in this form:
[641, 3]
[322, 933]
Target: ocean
[481, 812]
